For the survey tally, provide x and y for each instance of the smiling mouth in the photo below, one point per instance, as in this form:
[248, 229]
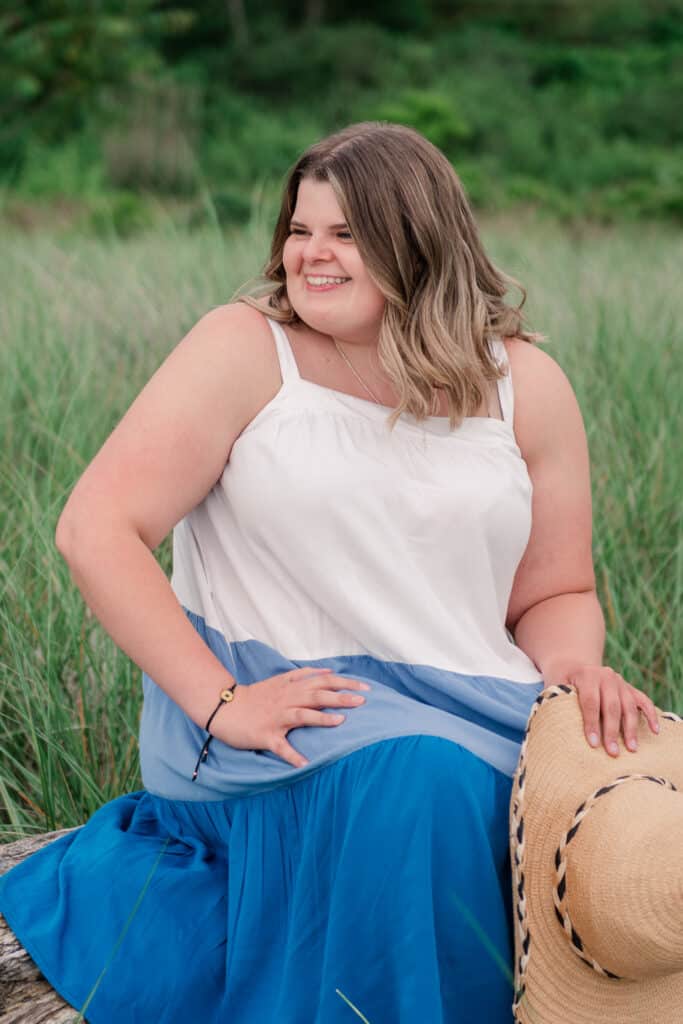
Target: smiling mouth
[323, 282]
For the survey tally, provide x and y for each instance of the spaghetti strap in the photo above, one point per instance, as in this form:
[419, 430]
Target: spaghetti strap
[505, 390]
[288, 367]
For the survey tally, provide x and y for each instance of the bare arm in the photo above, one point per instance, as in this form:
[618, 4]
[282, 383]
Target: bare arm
[124, 586]
[563, 633]
[159, 462]
[554, 612]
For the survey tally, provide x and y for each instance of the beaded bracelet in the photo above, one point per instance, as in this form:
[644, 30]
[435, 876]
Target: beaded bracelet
[226, 696]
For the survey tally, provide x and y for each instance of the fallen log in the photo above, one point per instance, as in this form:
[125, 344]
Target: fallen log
[25, 995]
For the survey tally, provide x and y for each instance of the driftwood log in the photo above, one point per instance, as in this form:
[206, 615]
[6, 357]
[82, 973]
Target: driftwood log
[25, 995]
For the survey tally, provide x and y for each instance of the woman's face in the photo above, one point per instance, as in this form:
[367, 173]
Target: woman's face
[327, 283]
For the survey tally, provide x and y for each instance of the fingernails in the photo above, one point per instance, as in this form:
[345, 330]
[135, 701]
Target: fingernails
[364, 686]
[656, 726]
[613, 748]
[594, 739]
[632, 745]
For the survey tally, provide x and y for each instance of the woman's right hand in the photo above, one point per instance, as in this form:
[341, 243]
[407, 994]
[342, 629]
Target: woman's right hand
[261, 714]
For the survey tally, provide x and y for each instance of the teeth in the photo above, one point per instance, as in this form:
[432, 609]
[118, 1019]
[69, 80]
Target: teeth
[327, 280]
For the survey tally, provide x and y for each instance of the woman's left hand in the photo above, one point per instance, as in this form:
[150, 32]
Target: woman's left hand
[604, 694]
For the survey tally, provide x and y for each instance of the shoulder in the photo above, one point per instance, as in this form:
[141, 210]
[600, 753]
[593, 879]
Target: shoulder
[237, 324]
[232, 348]
[534, 371]
[238, 339]
[546, 406]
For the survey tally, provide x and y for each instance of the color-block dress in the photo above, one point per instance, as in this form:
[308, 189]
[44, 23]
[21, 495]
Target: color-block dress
[374, 883]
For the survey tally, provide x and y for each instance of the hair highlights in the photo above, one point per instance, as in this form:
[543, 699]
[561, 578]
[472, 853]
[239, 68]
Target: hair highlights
[412, 224]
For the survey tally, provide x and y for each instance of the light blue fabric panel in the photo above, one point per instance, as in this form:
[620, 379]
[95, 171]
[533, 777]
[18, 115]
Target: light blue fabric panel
[486, 715]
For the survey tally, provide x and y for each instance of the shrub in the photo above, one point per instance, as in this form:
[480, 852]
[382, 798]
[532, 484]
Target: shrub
[121, 214]
[430, 112]
[154, 136]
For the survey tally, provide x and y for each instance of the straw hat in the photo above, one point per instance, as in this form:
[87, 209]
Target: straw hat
[597, 861]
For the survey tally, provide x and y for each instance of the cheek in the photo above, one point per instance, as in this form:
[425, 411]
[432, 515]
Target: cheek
[379, 304]
[374, 295]
[289, 258]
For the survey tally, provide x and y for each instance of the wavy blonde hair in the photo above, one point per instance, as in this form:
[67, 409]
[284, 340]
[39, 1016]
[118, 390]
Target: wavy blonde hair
[411, 221]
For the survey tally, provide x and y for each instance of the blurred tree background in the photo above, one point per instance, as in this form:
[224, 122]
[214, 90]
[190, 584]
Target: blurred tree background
[113, 111]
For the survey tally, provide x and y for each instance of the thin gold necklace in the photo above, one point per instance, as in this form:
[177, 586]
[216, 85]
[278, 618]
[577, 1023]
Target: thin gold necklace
[354, 371]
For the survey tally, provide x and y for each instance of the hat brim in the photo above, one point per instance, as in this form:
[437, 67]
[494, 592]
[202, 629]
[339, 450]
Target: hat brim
[557, 771]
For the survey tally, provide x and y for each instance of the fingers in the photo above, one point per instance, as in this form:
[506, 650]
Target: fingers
[301, 717]
[286, 751]
[334, 699]
[630, 719]
[589, 702]
[342, 683]
[297, 715]
[307, 716]
[611, 706]
[297, 675]
[631, 702]
[648, 709]
[308, 674]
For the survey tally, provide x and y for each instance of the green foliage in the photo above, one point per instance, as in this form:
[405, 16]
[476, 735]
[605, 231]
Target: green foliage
[614, 22]
[118, 213]
[341, 63]
[57, 55]
[560, 102]
[226, 208]
[433, 114]
[152, 135]
[72, 168]
[246, 141]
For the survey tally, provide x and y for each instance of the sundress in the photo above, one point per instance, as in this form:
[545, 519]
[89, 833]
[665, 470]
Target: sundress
[374, 883]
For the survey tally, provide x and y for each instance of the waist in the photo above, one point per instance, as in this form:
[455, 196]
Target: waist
[486, 716]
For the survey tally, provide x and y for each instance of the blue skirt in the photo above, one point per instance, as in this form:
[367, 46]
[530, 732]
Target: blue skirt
[376, 889]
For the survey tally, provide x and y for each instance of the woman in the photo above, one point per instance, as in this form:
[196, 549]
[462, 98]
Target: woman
[382, 549]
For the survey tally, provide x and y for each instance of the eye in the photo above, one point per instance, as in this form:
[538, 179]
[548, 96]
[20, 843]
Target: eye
[340, 234]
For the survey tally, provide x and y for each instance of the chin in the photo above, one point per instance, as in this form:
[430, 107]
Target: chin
[307, 311]
[317, 322]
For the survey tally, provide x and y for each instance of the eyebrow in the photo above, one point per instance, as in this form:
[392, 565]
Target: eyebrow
[333, 227]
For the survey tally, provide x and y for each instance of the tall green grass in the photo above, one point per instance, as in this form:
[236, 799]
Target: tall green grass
[84, 323]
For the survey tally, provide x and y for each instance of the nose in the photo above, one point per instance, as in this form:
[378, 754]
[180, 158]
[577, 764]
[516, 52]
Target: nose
[315, 248]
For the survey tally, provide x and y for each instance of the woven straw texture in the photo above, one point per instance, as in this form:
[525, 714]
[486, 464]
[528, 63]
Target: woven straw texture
[574, 810]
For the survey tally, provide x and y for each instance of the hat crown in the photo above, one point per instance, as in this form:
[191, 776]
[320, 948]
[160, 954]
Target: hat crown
[624, 878]
[622, 844]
